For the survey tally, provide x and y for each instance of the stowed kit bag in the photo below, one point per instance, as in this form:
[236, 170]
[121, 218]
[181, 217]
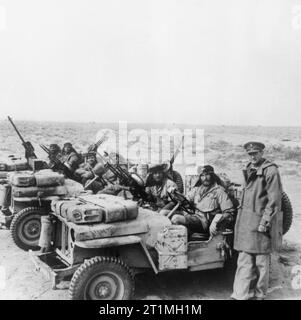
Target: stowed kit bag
[114, 208]
[74, 210]
[3, 167]
[22, 179]
[18, 166]
[39, 191]
[46, 178]
[96, 208]
[3, 175]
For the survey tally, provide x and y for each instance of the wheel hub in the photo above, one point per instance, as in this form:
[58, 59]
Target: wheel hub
[103, 290]
[32, 229]
[104, 286]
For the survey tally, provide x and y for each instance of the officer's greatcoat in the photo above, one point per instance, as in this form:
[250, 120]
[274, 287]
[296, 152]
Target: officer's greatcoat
[261, 199]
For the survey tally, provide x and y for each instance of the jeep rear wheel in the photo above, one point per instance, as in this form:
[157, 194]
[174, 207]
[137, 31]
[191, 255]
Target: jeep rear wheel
[25, 228]
[102, 278]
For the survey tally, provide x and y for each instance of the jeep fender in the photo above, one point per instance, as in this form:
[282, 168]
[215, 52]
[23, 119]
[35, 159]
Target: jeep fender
[130, 248]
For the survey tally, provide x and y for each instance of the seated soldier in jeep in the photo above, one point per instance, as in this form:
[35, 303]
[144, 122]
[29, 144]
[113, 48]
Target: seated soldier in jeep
[90, 171]
[70, 157]
[158, 184]
[54, 154]
[214, 209]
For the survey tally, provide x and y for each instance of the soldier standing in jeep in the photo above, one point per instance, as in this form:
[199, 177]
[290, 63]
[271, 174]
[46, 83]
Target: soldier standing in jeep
[257, 229]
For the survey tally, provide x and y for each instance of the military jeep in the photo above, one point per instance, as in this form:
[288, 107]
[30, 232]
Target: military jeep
[28, 194]
[102, 241]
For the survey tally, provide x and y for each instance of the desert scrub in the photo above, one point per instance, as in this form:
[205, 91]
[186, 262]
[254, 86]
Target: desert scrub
[220, 145]
[291, 172]
[293, 154]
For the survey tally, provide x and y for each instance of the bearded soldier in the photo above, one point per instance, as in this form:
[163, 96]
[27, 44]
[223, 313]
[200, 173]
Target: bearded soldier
[91, 172]
[54, 154]
[214, 209]
[158, 184]
[70, 157]
[257, 228]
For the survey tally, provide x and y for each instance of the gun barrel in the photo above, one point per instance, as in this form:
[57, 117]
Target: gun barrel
[14, 126]
[172, 160]
[101, 140]
[45, 148]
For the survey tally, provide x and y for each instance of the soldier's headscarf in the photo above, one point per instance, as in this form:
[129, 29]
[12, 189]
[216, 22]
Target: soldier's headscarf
[207, 169]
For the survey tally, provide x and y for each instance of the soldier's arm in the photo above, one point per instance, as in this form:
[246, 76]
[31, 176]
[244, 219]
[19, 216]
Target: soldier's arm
[226, 206]
[273, 189]
[191, 194]
[171, 187]
[73, 159]
[81, 170]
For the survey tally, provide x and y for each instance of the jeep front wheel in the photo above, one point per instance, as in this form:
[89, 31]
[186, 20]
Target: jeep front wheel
[25, 228]
[102, 278]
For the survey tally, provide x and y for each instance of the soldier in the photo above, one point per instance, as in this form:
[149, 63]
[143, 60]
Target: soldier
[209, 198]
[257, 230]
[55, 153]
[114, 186]
[157, 185]
[70, 157]
[90, 170]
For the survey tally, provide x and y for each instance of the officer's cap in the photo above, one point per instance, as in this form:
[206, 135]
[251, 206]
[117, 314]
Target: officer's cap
[252, 147]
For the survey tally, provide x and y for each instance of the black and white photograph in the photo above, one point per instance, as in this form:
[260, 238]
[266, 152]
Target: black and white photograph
[150, 151]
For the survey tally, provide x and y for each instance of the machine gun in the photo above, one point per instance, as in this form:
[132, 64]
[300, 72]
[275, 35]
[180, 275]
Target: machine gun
[29, 149]
[132, 181]
[96, 177]
[57, 164]
[173, 158]
[93, 147]
[182, 202]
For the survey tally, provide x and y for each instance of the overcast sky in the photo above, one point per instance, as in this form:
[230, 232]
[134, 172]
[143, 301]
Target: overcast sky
[195, 61]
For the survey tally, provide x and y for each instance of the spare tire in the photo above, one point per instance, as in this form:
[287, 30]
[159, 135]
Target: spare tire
[177, 178]
[287, 210]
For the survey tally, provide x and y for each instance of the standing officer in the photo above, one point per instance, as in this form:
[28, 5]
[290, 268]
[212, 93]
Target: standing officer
[258, 229]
